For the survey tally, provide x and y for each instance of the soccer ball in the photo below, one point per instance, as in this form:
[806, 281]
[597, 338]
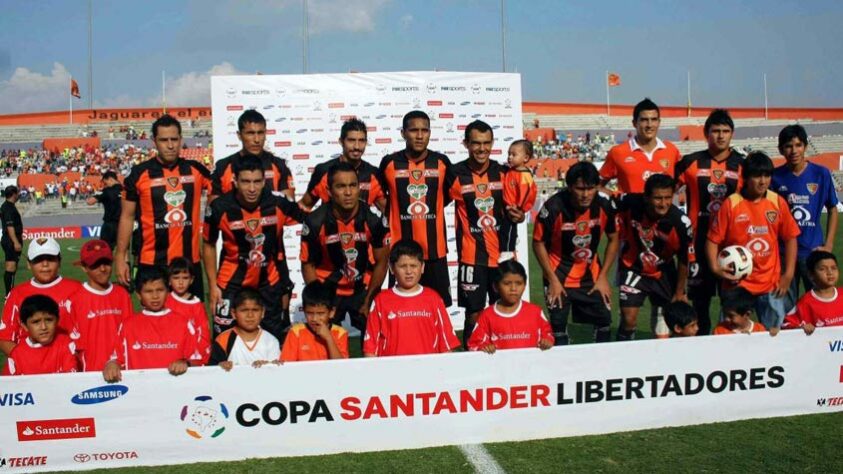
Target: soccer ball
[737, 260]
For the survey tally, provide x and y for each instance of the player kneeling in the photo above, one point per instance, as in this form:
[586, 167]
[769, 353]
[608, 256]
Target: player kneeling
[511, 323]
[821, 306]
[246, 343]
[155, 337]
[43, 351]
[317, 339]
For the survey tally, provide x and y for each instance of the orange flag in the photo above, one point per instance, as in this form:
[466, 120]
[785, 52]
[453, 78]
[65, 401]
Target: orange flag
[74, 89]
[614, 79]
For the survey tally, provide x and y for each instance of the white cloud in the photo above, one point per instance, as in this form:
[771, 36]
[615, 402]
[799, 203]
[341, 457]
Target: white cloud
[406, 20]
[343, 15]
[31, 91]
[194, 88]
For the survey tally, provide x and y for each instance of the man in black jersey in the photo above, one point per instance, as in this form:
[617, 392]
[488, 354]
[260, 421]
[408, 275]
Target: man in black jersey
[109, 197]
[12, 240]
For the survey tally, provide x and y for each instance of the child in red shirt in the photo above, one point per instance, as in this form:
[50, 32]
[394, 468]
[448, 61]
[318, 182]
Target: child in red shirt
[182, 301]
[511, 323]
[823, 305]
[737, 314]
[317, 339]
[408, 319]
[44, 351]
[519, 192]
[154, 338]
[98, 308]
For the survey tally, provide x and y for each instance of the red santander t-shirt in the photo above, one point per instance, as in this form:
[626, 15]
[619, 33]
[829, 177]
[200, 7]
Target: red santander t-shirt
[155, 339]
[521, 329]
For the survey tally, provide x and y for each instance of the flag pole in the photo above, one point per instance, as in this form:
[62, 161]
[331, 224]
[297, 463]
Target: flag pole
[689, 93]
[70, 99]
[164, 91]
[766, 112]
[608, 101]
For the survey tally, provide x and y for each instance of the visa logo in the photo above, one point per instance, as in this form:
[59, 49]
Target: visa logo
[835, 346]
[16, 399]
[91, 231]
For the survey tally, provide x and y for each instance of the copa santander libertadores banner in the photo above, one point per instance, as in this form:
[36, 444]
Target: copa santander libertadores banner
[304, 114]
[75, 421]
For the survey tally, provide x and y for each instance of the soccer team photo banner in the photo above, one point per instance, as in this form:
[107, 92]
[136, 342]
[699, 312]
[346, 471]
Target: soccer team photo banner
[304, 114]
[75, 421]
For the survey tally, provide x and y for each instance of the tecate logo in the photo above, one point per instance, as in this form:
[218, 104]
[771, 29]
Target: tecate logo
[115, 456]
[40, 430]
[101, 394]
[24, 461]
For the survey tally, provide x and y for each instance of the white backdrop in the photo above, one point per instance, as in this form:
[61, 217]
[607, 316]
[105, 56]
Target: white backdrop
[304, 114]
[75, 421]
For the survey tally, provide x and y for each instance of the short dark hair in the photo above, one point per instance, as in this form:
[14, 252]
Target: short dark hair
[38, 304]
[413, 114]
[718, 117]
[756, 163]
[246, 294]
[408, 248]
[645, 104]
[149, 275]
[658, 181]
[250, 116]
[526, 144]
[10, 191]
[679, 313]
[353, 125]
[585, 171]
[247, 162]
[109, 175]
[737, 300]
[317, 293]
[478, 125]
[509, 266]
[180, 265]
[790, 132]
[815, 257]
[339, 167]
[165, 120]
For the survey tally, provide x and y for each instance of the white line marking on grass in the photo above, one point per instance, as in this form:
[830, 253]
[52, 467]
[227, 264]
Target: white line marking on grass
[481, 459]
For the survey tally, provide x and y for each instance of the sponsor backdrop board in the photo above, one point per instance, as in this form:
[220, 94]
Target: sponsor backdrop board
[305, 112]
[75, 421]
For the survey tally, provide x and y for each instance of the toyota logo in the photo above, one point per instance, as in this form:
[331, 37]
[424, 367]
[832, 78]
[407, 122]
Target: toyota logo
[82, 457]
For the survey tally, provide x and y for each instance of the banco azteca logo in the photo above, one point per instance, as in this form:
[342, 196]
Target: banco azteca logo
[204, 417]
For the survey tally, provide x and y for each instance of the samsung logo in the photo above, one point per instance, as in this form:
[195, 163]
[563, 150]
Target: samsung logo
[99, 394]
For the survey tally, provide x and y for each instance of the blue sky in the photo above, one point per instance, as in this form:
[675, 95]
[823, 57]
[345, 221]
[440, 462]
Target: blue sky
[562, 49]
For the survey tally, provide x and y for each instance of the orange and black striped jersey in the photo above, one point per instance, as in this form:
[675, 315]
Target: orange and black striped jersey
[648, 245]
[416, 200]
[707, 184]
[251, 238]
[167, 208]
[342, 251]
[478, 197]
[572, 237]
[367, 175]
[277, 174]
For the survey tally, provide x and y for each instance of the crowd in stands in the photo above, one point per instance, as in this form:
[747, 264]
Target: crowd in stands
[582, 147]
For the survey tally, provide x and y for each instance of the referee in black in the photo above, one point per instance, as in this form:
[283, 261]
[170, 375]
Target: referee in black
[110, 199]
[12, 240]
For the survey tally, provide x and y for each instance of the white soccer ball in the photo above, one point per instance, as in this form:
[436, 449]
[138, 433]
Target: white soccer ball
[737, 260]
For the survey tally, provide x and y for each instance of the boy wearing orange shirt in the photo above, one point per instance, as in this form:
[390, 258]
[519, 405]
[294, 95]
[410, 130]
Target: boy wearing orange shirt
[519, 191]
[737, 314]
[759, 220]
[317, 339]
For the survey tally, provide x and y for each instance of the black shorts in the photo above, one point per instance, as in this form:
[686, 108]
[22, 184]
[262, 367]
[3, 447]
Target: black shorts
[701, 282]
[11, 254]
[634, 289]
[350, 305]
[273, 318]
[475, 290]
[108, 233]
[435, 277]
[284, 272]
[586, 308]
[197, 288]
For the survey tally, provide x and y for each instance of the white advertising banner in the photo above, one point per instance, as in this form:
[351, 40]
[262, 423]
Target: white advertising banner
[75, 421]
[304, 114]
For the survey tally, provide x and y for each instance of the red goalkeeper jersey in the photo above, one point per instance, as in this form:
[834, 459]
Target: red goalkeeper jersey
[60, 290]
[154, 339]
[519, 189]
[31, 358]
[409, 323]
[97, 316]
[194, 309]
[816, 311]
[523, 328]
